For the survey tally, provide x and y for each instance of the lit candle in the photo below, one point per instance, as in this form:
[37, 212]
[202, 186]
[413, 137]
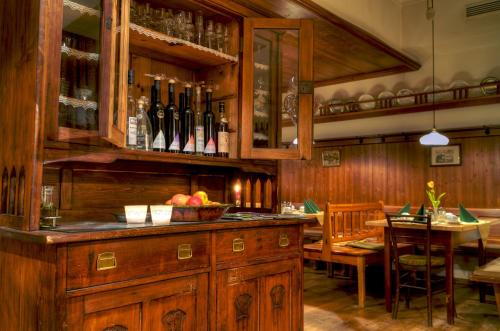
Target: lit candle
[237, 194]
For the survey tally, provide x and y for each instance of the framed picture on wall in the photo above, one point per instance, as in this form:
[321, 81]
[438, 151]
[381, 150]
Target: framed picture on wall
[331, 158]
[446, 155]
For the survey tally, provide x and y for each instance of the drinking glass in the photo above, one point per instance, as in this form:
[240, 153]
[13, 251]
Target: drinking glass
[219, 37]
[189, 32]
[180, 24]
[226, 39]
[209, 34]
[48, 210]
[199, 28]
[168, 23]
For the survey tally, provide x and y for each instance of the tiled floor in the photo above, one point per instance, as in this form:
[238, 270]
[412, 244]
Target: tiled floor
[330, 304]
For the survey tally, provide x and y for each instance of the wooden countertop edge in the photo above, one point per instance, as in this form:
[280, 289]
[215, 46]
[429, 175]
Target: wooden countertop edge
[55, 237]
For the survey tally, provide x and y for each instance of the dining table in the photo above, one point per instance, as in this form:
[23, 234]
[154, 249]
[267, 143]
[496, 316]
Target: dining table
[445, 235]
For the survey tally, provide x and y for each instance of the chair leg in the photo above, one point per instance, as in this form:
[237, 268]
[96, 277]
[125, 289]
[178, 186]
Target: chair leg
[429, 297]
[361, 282]
[395, 306]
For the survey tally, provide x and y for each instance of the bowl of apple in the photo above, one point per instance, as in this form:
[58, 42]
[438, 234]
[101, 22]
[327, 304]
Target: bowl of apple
[195, 208]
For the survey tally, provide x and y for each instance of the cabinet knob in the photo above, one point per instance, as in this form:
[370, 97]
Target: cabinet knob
[184, 252]
[284, 241]
[106, 261]
[238, 245]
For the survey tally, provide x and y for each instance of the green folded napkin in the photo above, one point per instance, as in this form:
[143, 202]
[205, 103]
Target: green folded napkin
[376, 246]
[465, 215]
[406, 209]
[310, 207]
[421, 210]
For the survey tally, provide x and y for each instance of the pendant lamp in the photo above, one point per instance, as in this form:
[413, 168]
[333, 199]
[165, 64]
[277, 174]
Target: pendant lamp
[433, 138]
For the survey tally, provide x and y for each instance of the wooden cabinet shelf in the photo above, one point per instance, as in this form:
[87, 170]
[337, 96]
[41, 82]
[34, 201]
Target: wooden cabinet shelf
[415, 108]
[189, 54]
[56, 154]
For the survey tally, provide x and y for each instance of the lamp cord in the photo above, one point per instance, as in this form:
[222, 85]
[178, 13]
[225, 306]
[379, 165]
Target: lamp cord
[430, 15]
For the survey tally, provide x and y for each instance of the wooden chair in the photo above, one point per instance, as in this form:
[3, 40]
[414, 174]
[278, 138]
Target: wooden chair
[408, 265]
[344, 224]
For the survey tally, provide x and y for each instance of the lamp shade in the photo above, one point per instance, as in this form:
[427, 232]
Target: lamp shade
[434, 138]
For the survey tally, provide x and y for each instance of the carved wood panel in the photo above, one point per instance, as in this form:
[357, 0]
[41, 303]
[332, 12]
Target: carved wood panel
[242, 304]
[174, 320]
[277, 296]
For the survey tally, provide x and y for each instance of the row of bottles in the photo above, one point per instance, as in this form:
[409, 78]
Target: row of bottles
[176, 129]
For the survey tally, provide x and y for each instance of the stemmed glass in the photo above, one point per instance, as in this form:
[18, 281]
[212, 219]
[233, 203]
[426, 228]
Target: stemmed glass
[189, 32]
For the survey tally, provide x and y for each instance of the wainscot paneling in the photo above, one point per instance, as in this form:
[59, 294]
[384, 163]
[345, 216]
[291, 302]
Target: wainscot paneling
[397, 172]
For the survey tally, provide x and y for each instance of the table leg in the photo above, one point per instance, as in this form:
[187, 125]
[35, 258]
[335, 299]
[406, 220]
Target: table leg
[387, 271]
[481, 258]
[450, 297]
[497, 296]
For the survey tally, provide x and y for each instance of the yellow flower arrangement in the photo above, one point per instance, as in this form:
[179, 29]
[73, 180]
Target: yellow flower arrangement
[431, 194]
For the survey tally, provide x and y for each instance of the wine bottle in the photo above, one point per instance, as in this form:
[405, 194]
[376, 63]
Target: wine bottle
[188, 123]
[223, 133]
[209, 126]
[131, 113]
[172, 113]
[157, 116]
[198, 124]
[182, 100]
[144, 136]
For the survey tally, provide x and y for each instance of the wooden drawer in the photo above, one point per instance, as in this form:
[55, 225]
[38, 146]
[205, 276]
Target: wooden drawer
[103, 262]
[238, 247]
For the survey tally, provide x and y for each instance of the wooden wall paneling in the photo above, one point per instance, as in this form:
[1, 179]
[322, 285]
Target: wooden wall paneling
[213, 185]
[397, 172]
[66, 190]
[145, 65]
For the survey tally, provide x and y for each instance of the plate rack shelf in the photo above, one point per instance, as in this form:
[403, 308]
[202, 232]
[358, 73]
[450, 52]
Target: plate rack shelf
[458, 98]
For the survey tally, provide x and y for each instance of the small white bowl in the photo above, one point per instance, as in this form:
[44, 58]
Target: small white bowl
[136, 214]
[161, 214]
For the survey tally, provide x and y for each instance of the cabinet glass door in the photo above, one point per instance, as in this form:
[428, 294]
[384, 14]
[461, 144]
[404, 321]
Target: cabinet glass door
[87, 82]
[277, 89]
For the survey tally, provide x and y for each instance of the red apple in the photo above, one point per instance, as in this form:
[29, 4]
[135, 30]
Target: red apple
[194, 201]
[203, 197]
[180, 199]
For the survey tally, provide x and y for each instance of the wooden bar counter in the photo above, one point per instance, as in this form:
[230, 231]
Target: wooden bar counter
[222, 275]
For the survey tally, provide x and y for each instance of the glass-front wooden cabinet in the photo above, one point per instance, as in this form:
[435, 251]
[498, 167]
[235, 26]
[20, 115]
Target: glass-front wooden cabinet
[262, 86]
[88, 41]
[277, 87]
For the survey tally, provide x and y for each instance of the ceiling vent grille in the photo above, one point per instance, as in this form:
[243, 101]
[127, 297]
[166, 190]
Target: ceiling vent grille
[483, 7]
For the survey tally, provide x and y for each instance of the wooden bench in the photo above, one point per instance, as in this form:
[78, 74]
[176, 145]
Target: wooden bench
[490, 274]
[343, 224]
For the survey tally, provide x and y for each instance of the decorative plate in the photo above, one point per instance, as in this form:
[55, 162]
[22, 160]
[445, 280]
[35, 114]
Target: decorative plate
[364, 103]
[405, 97]
[386, 95]
[488, 85]
[436, 96]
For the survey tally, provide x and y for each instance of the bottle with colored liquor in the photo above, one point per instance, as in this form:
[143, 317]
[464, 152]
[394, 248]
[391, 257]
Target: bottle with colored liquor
[188, 132]
[209, 126]
[131, 113]
[172, 113]
[198, 124]
[157, 117]
[223, 133]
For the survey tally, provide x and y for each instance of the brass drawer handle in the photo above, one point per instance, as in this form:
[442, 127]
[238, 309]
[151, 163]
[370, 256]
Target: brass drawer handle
[106, 261]
[184, 252]
[284, 241]
[238, 245]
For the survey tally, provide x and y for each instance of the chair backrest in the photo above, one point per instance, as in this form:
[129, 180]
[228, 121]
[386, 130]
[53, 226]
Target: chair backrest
[347, 222]
[408, 233]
